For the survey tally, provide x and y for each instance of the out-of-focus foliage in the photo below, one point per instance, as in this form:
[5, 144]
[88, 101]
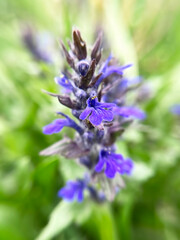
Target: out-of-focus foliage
[143, 32]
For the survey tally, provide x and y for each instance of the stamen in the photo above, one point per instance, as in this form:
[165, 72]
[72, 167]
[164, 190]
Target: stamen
[94, 97]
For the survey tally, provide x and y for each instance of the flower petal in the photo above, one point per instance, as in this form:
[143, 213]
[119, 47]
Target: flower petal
[52, 128]
[63, 81]
[80, 196]
[85, 113]
[110, 170]
[55, 126]
[107, 115]
[95, 118]
[67, 193]
[129, 112]
[106, 105]
[99, 166]
[127, 166]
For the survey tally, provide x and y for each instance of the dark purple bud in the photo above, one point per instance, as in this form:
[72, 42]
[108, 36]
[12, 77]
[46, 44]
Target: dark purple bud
[88, 77]
[83, 67]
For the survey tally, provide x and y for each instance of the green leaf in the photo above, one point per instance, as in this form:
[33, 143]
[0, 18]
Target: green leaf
[62, 216]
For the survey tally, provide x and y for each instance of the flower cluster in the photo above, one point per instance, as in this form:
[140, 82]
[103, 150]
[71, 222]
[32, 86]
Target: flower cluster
[95, 91]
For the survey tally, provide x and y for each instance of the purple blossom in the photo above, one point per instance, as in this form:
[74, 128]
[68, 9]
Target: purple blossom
[129, 112]
[63, 81]
[97, 112]
[114, 163]
[108, 70]
[73, 190]
[176, 109]
[58, 124]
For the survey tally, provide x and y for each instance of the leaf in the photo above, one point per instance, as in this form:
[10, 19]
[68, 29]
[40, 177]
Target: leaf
[62, 216]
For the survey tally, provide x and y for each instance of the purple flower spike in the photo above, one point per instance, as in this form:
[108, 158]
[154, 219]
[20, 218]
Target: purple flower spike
[73, 190]
[97, 112]
[63, 81]
[176, 109]
[55, 126]
[129, 112]
[114, 163]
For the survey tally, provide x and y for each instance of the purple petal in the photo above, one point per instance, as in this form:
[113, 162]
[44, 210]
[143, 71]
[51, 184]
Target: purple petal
[95, 118]
[80, 195]
[110, 170]
[52, 128]
[67, 193]
[99, 166]
[117, 157]
[116, 69]
[128, 166]
[107, 115]
[85, 113]
[55, 126]
[129, 112]
[107, 105]
[111, 70]
[63, 81]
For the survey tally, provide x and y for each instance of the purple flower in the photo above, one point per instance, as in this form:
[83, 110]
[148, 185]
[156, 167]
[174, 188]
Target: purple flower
[55, 126]
[58, 124]
[129, 112]
[97, 112]
[114, 163]
[176, 109]
[63, 81]
[108, 70]
[72, 190]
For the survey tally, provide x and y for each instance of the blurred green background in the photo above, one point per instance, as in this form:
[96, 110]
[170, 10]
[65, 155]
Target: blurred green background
[143, 32]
